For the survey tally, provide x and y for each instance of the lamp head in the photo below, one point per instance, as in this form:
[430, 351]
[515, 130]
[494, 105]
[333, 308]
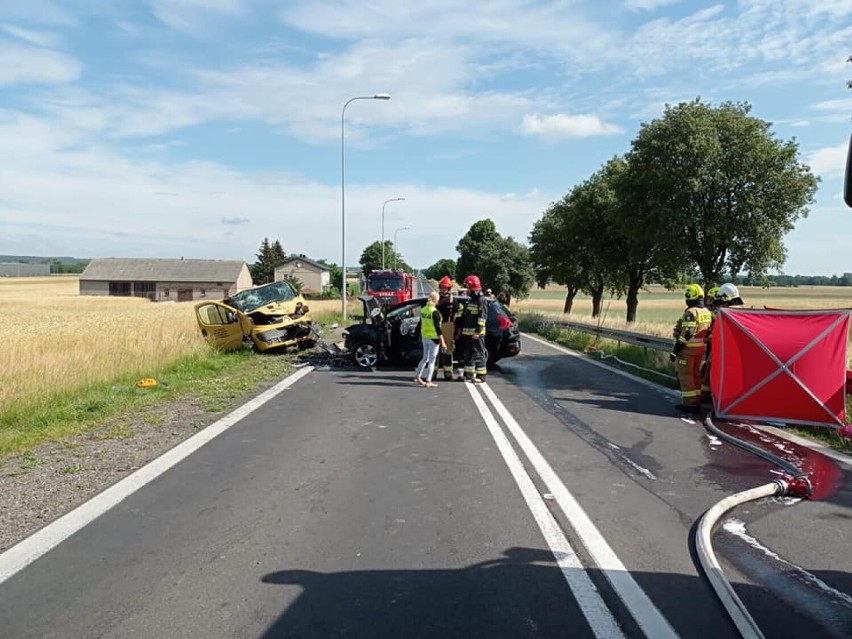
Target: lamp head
[382, 96]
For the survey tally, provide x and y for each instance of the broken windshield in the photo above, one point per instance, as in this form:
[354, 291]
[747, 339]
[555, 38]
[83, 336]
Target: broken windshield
[385, 283]
[248, 300]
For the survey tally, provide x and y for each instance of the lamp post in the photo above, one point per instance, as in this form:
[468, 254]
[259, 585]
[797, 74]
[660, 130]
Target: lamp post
[393, 199]
[395, 252]
[378, 96]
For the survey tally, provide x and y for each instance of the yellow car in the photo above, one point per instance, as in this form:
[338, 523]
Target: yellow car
[271, 317]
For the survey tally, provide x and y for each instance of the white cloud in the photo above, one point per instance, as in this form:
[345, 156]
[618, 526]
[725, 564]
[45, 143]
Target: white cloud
[829, 162]
[647, 5]
[193, 16]
[20, 64]
[37, 12]
[567, 126]
[38, 38]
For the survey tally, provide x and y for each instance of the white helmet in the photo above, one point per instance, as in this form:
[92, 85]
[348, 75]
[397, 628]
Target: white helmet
[727, 293]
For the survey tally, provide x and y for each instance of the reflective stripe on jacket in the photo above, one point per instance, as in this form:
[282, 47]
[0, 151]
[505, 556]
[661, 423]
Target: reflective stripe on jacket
[691, 329]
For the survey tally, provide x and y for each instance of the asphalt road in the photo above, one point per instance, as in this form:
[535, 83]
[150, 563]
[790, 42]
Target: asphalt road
[557, 500]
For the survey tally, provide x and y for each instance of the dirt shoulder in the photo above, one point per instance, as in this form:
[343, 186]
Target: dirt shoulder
[40, 486]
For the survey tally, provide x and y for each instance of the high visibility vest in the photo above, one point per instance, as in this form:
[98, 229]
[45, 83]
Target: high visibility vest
[427, 325]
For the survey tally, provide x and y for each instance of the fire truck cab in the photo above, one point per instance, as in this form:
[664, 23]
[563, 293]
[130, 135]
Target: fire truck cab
[391, 287]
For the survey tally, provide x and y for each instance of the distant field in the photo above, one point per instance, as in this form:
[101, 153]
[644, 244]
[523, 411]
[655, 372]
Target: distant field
[659, 306]
[659, 309]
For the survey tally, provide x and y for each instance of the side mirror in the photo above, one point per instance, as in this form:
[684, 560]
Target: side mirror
[847, 185]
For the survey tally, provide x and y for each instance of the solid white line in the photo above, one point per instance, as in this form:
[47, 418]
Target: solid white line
[591, 603]
[27, 551]
[662, 389]
[649, 618]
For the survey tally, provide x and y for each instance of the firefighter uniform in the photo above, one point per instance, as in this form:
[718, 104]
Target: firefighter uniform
[448, 307]
[473, 314]
[689, 334]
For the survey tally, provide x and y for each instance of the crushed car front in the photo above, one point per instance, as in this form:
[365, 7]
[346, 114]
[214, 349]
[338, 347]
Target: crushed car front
[279, 316]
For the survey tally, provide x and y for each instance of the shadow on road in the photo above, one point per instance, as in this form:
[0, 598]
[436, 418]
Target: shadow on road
[521, 594]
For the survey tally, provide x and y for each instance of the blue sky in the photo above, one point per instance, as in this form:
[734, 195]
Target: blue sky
[195, 128]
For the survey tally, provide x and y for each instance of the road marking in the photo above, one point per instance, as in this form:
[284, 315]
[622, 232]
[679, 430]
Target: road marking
[646, 614]
[27, 551]
[591, 603]
[661, 389]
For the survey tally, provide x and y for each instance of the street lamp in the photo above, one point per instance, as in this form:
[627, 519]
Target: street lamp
[395, 252]
[378, 96]
[393, 199]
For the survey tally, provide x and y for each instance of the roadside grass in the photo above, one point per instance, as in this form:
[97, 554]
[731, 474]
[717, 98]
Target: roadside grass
[213, 380]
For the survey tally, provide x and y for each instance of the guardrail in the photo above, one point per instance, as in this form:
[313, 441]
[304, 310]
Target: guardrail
[654, 342]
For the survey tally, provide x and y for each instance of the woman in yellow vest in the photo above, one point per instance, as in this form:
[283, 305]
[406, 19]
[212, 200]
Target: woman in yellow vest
[430, 334]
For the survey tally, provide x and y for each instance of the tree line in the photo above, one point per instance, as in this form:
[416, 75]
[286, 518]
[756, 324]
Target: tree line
[704, 193]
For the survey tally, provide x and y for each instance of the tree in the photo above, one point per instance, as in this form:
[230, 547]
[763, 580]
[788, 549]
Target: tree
[439, 269]
[371, 258]
[472, 245]
[268, 257]
[723, 189]
[502, 264]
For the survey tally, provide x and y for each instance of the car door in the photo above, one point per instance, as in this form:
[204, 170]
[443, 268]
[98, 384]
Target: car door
[404, 324]
[221, 325]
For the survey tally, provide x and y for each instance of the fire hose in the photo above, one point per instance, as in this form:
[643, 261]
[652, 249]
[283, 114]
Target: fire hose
[797, 484]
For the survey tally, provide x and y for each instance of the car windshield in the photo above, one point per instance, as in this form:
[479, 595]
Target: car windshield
[385, 283]
[248, 300]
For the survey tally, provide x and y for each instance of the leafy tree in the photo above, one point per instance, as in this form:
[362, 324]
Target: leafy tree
[472, 245]
[371, 258]
[439, 269]
[723, 190]
[573, 243]
[268, 257]
[551, 252]
[502, 264]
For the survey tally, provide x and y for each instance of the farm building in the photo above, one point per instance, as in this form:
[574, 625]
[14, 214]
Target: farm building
[165, 280]
[18, 269]
[315, 277]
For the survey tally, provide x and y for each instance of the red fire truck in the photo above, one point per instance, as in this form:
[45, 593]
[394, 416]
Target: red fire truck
[391, 287]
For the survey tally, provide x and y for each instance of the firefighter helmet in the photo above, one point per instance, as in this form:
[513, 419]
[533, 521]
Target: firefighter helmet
[472, 283]
[445, 282]
[694, 292]
[711, 292]
[727, 293]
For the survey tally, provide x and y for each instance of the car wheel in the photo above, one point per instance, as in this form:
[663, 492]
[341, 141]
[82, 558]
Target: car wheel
[365, 355]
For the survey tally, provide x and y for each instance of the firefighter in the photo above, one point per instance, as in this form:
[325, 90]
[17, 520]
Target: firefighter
[471, 320]
[724, 296]
[709, 304]
[449, 307]
[688, 350]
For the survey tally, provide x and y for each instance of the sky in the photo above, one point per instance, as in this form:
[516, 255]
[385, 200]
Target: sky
[195, 128]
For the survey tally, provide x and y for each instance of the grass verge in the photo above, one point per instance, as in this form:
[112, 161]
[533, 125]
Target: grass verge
[212, 379]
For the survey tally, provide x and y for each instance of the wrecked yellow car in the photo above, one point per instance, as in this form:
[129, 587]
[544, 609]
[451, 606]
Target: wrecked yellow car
[270, 317]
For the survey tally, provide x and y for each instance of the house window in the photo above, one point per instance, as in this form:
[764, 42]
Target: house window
[203, 292]
[166, 293]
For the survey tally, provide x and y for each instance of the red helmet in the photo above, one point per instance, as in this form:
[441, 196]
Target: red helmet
[446, 282]
[472, 283]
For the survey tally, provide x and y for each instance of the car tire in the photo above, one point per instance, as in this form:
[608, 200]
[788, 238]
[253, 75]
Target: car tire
[365, 355]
